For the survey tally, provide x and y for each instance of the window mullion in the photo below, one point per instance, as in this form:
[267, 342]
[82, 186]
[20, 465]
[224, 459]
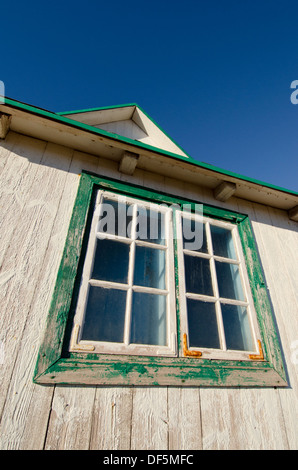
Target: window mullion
[107, 284]
[130, 278]
[150, 245]
[216, 291]
[196, 253]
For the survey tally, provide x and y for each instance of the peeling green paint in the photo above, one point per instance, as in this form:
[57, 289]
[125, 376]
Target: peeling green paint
[56, 365]
[261, 299]
[125, 369]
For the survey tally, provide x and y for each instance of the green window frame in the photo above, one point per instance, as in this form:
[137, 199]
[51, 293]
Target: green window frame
[57, 365]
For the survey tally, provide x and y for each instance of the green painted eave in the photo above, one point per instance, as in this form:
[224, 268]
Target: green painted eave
[86, 127]
[60, 118]
[102, 108]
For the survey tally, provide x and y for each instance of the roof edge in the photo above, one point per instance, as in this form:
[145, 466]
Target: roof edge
[102, 108]
[189, 160]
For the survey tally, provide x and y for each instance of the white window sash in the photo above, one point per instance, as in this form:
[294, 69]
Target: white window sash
[78, 345]
[223, 352]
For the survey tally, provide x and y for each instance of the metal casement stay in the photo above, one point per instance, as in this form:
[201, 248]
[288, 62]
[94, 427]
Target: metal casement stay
[189, 353]
[260, 356]
[186, 351]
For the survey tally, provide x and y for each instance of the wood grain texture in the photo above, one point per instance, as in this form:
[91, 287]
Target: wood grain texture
[278, 239]
[38, 184]
[111, 418]
[240, 419]
[184, 418]
[43, 293]
[32, 231]
[70, 419]
[6, 147]
[149, 421]
[18, 173]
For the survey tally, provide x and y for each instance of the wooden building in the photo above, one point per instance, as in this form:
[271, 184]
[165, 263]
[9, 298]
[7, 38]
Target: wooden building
[124, 340]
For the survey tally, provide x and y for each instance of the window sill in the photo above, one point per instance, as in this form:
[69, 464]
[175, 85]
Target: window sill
[56, 366]
[85, 369]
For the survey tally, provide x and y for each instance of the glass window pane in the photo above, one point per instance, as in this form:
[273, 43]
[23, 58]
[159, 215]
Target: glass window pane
[194, 235]
[237, 327]
[202, 324]
[105, 314]
[197, 275]
[229, 282]
[148, 319]
[111, 261]
[222, 242]
[149, 267]
[150, 226]
[115, 218]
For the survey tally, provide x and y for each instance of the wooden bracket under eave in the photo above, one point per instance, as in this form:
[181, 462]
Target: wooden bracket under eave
[128, 163]
[260, 356]
[293, 213]
[224, 191]
[4, 124]
[186, 351]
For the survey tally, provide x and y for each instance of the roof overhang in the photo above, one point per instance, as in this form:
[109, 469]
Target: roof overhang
[41, 124]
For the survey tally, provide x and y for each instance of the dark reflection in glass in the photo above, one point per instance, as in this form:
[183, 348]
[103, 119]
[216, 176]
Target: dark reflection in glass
[150, 226]
[194, 235]
[111, 261]
[202, 324]
[198, 275]
[115, 218]
[105, 315]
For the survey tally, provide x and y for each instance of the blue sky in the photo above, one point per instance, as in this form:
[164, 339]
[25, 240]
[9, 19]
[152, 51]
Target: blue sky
[215, 75]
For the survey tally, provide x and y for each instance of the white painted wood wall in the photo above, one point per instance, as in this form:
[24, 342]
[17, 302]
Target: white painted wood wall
[38, 184]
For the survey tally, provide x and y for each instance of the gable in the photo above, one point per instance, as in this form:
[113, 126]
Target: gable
[126, 128]
[127, 121]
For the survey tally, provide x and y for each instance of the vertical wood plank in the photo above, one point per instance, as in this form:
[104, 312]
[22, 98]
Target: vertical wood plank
[242, 419]
[30, 242]
[70, 419]
[220, 431]
[136, 178]
[149, 418]
[154, 181]
[16, 177]
[229, 417]
[273, 256]
[277, 246]
[264, 426]
[111, 422]
[6, 147]
[108, 168]
[15, 191]
[174, 186]
[42, 396]
[184, 418]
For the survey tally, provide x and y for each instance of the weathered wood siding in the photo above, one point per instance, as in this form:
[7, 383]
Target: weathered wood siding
[38, 184]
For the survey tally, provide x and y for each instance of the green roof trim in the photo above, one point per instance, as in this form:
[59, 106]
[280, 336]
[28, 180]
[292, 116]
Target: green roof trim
[189, 160]
[135, 105]
[102, 108]
[80, 125]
